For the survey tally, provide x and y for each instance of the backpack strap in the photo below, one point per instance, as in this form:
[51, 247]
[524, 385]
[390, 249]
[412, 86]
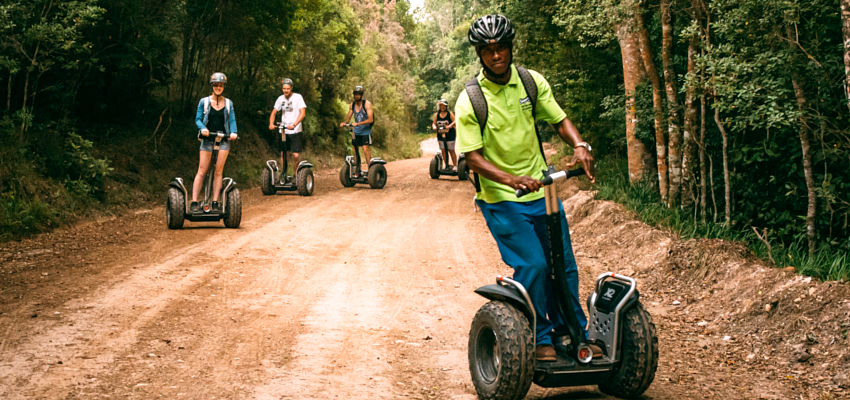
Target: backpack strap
[531, 90]
[479, 103]
[206, 105]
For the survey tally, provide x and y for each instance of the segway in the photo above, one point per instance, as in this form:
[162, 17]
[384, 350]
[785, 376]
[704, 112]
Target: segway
[303, 181]
[502, 339]
[436, 169]
[376, 176]
[177, 204]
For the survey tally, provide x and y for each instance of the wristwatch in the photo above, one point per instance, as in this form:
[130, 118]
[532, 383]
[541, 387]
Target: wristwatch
[585, 145]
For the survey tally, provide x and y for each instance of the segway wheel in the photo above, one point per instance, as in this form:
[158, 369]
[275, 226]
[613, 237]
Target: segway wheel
[267, 182]
[501, 352]
[345, 176]
[639, 356]
[434, 169]
[304, 181]
[234, 209]
[462, 170]
[175, 209]
[377, 176]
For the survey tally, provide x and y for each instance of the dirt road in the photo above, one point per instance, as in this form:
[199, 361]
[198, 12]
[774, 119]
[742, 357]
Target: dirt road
[350, 294]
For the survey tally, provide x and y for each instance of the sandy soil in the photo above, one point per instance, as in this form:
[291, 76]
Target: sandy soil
[350, 294]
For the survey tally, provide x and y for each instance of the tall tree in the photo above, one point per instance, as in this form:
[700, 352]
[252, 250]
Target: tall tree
[657, 101]
[673, 117]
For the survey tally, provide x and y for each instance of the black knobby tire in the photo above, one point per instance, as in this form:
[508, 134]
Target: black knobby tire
[345, 175]
[304, 181]
[462, 170]
[434, 169]
[377, 176]
[267, 182]
[501, 352]
[175, 209]
[639, 356]
[234, 209]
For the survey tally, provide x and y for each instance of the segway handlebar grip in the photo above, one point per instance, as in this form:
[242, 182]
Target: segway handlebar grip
[557, 176]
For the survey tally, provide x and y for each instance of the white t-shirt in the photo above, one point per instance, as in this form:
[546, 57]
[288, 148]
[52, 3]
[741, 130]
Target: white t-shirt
[289, 110]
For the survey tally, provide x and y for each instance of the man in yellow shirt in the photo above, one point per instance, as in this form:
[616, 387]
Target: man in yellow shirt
[506, 153]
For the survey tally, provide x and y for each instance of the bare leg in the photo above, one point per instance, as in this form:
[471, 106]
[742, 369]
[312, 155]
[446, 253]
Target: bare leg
[219, 170]
[199, 177]
[454, 157]
[296, 157]
[368, 154]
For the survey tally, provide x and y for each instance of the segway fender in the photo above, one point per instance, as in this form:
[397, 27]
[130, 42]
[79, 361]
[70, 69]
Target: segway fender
[507, 294]
[349, 160]
[227, 185]
[272, 166]
[303, 164]
[376, 160]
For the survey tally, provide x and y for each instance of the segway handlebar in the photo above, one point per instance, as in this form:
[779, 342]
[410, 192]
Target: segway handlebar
[557, 176]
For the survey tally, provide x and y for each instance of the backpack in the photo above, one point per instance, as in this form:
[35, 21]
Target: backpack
[374, 116]
[479, 106]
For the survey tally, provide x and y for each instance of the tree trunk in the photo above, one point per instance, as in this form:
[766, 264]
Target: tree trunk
[657, 102]
[726, 179]
[845, 28]
[9, 92]
[640, 160]
[673, 119]
[811, 211]
[689, 156]
[702, 173]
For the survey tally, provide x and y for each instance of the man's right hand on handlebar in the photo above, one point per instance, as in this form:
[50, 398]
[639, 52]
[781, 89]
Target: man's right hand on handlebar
[205, 132]
[524, 182]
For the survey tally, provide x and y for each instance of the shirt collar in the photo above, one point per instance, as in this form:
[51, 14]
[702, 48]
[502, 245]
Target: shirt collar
[494, 87]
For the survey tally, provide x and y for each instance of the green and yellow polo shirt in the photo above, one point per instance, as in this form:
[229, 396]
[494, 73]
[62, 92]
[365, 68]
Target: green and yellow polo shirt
[509, 140]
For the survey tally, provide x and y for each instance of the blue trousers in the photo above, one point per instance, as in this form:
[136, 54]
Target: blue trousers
[520, 231]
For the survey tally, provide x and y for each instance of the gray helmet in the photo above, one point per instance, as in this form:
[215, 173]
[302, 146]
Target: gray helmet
[286, 81]
[358, 89]
[489, 29]
[218, 77]
[443, 101]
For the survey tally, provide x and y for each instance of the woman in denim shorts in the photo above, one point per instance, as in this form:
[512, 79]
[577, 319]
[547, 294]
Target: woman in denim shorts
[215, 114]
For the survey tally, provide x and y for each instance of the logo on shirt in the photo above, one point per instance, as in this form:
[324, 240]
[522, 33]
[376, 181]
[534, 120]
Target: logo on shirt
[525, 104]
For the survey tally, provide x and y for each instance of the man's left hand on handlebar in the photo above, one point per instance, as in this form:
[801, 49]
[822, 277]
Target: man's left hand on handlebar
[582, 156]
[233, 136]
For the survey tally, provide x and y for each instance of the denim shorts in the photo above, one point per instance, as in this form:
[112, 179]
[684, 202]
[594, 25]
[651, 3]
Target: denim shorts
[207, 145]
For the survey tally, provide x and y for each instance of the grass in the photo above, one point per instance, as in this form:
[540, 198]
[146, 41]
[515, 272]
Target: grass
[827, 263]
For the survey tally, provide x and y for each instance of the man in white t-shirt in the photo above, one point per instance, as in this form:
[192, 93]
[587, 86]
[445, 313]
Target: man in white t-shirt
[292, 110]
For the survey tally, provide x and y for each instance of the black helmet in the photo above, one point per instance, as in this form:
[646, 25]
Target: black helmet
[493, 28]
[286, 81]
[358, 89]
[218, 77]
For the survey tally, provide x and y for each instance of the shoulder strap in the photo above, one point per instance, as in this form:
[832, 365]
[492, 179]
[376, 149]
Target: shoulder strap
[479, 103]
[229, 105]
[530, 88]
[206, 105]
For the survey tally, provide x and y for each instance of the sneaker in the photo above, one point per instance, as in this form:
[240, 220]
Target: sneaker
[216, 207]
[194, 207]
[546, 353]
